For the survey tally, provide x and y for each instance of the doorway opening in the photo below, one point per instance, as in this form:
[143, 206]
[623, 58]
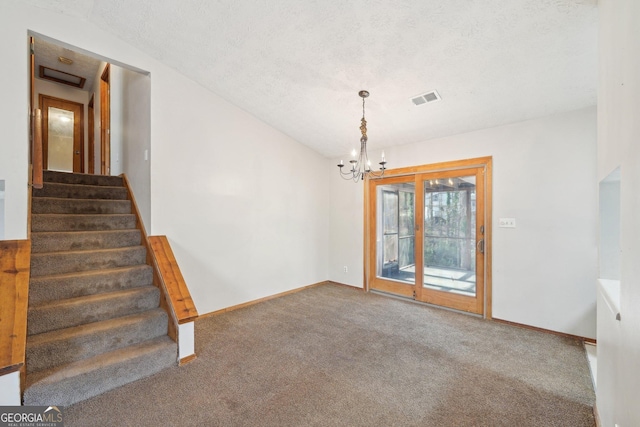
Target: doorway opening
[429, 234]
[63, 134]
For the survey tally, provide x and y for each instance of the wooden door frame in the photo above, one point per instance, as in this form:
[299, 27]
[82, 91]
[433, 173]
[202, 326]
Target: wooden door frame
[91, 136]
[465, 303]
[370, 220]
[105, 122]
[78, 129]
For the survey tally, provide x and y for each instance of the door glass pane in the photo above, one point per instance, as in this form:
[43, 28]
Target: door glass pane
[60, 140]
[395, 235]
[450, 235]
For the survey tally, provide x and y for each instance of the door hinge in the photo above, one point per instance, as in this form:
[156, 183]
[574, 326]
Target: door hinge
[414, 294]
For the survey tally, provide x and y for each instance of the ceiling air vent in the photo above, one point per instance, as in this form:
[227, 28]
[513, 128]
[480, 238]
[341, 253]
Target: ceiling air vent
[426, 98]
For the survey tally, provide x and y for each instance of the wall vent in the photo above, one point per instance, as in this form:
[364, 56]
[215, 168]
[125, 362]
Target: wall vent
[426, 98]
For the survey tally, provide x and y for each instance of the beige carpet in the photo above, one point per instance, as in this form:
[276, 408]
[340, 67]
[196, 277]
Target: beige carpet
[335, 356]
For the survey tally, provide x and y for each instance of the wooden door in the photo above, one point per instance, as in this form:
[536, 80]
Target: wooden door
[429, 234]
[62, 134]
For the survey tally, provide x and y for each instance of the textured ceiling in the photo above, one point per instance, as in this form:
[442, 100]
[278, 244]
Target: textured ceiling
[298, 65]
[47, 54]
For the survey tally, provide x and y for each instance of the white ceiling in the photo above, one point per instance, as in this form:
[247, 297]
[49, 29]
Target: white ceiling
[298, 65]
[47, 54]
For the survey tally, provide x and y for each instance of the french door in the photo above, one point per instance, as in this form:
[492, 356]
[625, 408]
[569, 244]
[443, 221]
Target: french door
[428, 234]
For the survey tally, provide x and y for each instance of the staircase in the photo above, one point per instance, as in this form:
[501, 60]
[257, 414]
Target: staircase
[94, 320]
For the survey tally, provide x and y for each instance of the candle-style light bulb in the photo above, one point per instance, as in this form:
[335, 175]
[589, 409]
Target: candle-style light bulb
[383, 156]
[353, 152]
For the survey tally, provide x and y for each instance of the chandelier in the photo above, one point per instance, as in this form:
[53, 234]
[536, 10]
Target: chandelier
[361, 167]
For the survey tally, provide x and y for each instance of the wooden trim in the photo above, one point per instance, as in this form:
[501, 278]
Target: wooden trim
[488, 242]
[157, 282]
[548, 331]
[187, 359]
[47, 101]
[14, 298]
[37, 155]
[105, 122]
[172, 279]
[436, 167]
[78, 85]
[331, 282]
[270, 297]
[91, 135]
[481, 168]
[105, 76]
[365, 242]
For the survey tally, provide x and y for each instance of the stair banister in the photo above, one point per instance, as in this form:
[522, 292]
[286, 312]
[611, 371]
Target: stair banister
[182, 306]
[14, 295]
[36, 150]
[176, 298]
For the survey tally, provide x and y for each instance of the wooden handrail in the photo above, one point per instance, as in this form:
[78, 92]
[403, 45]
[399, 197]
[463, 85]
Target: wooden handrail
[36, 150]
[177, 303]
[15, 258]
[181, 301]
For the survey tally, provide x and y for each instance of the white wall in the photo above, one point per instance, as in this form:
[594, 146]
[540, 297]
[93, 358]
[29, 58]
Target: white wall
[543, 175]
[136, 137]
[619, 146]
[14, 120]
[116, 121]
[244, 206]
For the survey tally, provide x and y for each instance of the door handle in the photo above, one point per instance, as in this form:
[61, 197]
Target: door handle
[480, 246]
[77, 152]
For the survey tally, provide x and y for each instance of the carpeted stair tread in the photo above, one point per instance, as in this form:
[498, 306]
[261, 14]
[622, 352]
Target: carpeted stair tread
[80, 380]
[92, 308]
[94, 318]
[62, 205]
[79, 178]
[88, 222]
[58, 241]
[80, 191]
[48, 263]
[60, 347]
[53, 287]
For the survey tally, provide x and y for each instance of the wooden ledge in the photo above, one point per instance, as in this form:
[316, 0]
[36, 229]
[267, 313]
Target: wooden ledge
[15, 259]
[184, 308]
